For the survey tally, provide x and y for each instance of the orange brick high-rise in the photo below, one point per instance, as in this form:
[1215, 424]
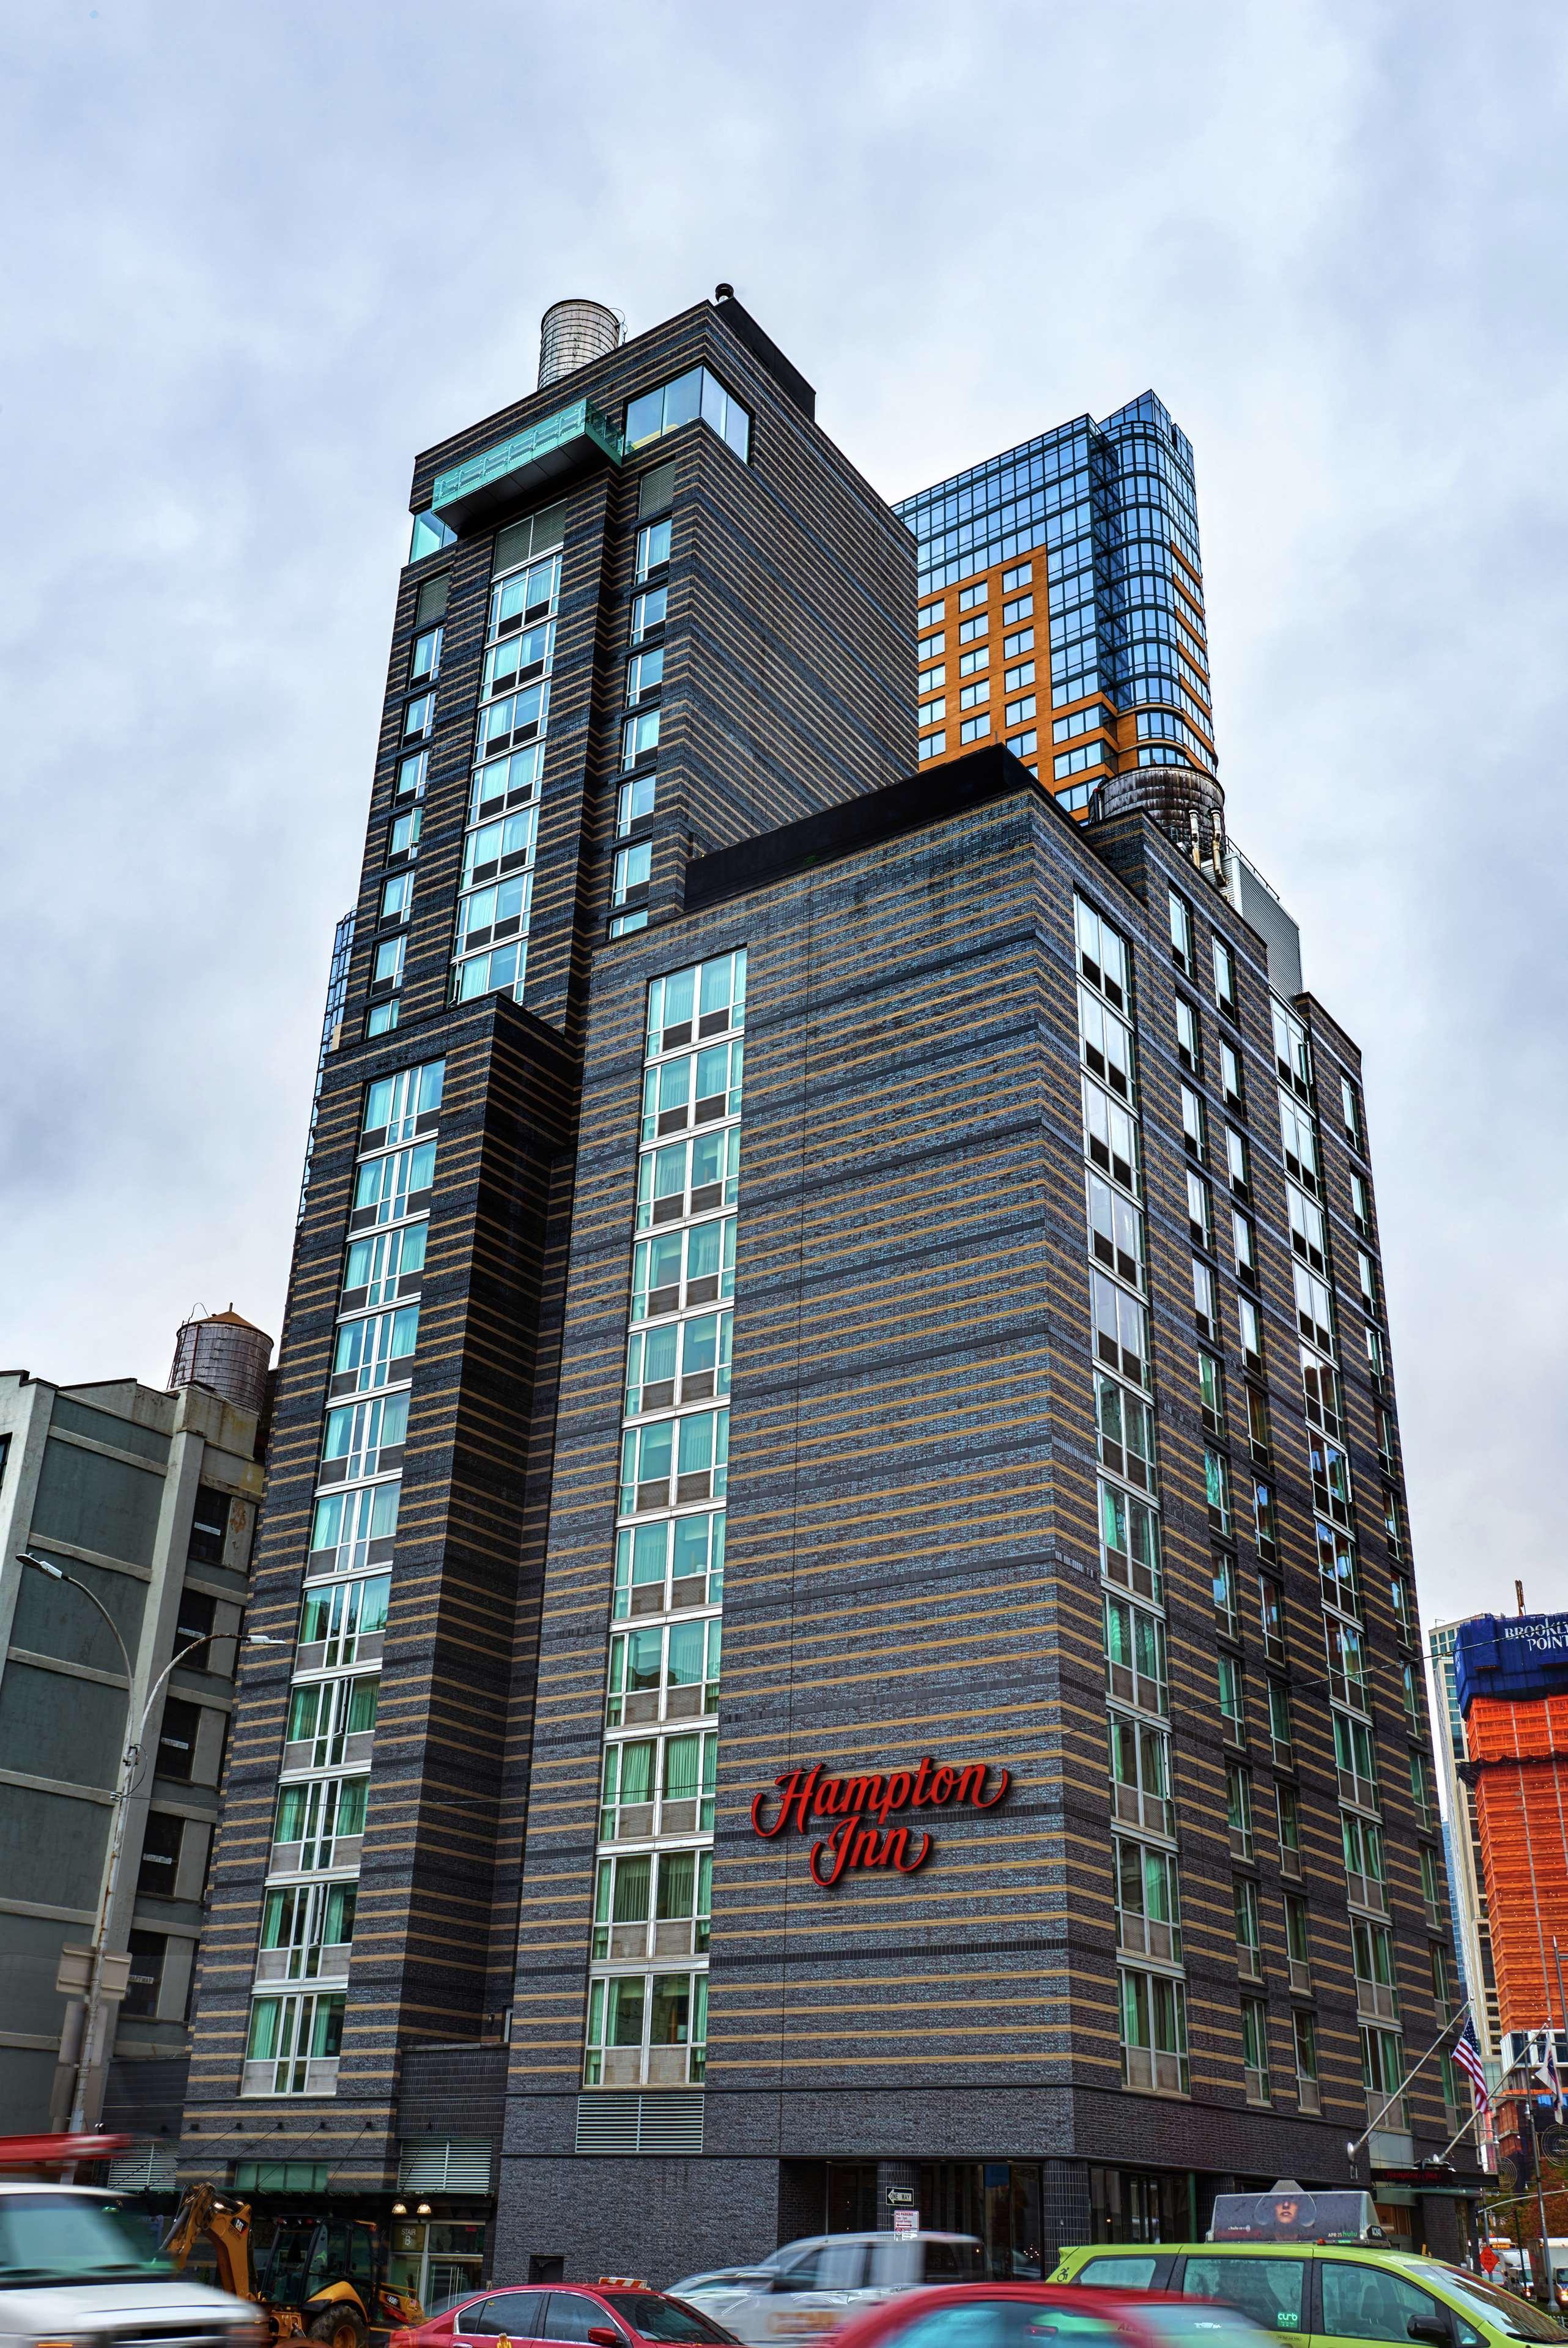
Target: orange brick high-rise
[1513, 1682]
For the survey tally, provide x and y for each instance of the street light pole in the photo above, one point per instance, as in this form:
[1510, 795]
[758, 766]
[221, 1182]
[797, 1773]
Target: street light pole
[130, 1762]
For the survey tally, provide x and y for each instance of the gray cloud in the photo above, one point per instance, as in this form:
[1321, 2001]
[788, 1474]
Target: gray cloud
[258, 256]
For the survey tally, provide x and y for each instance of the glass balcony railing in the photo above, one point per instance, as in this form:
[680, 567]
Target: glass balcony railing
[547, 451]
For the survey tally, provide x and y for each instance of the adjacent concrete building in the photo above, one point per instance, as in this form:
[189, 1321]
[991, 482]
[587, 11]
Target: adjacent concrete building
[146, 1502]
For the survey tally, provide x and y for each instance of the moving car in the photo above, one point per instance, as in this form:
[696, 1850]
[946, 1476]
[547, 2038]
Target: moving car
[815, 2285]
[74, 2268]
[617, 2312]
[1316, 2270]
[985, 2314]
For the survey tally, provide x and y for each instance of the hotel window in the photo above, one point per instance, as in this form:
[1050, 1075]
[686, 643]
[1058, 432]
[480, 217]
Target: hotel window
[493, 919]
[1233, 1700]
[1205, 1306]
[1287, 1826]
[1193, 1121]
[969, 663]
[518, 660]
[970, 596]
[425, 660]
[1306, 2033]
[1116, 1232]
[688, 1177]
[633, 870]
[1298, 1142]
[1331, 1489]
[1018, 577]
[639, 736]
[1019, 712]
[417, 718]
[1376, 1360]
[933, 745]
[1434, 1897]
[1346, 1664]
[516, 718]
[681, 1269]
[973, 694]
[680, 1362]
[1360, 1206]
[1250, 1330]
[1231, 1078]
[1017, 679]
[1292, 1056]
[1120, 1330]
[386, 970]
[505, 783]
[930, 615]
[646, 2029]
[653, 547]
[394, 1186]
[1244, 1247]
[645, 674]
[411, 774]
[1180, 934]
[1111, 1137]
[398, 1107]
[658, 1786]
[350, 1531]
[1102, 954]
[1350, 1113]
[1237, 1163]
[1368, 1270]
[1239, 1810]
[1307, 1236]
[973, 728]
[379, 1270]
[1135, 1655]
[1188, 1043]
[1024, 746]
[1421, 1791]
[1217, 1490]
[667, 1462]
[323, 1716]
[653, 1905]
[363, 1438]
[1074, 762]
[930, 648]
[1024, 641]
[648, 612]
[697, 392]
[313, 1822]
[1282, 1740]
[1223, 1578]
[669, 1565]
[1225, 977]
[1125, 1428]
[293, 2045]
[1153, 2034]
[1107, 1044]
[372, 1351]
[970, 631]
[694, 1089]
[1255, 2049]
[1129, 1540]
[1313, 1311]
[663, 1672]
[403, 834]
[1147, 1909]
[932, 713]
[931, 680]
[1248, 1925]
[1356, 1763]
[1021, 608]
[493, 849]
[1139, 1763]
[1200, 1223]
[1266, 1530]
[1260, 1434]
[1211, 1392]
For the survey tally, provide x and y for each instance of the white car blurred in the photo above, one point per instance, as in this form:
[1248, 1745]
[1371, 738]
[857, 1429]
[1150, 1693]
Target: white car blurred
[73, 2268]
[811, 2287]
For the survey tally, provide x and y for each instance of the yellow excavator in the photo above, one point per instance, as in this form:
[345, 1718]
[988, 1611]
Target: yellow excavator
[316, 2277]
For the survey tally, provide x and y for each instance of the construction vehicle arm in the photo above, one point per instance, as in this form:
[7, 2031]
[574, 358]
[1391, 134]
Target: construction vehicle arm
[228, 2229]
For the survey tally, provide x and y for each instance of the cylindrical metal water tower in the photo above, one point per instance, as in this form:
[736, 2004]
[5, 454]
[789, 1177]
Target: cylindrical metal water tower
[225, 1352]
[571, 333]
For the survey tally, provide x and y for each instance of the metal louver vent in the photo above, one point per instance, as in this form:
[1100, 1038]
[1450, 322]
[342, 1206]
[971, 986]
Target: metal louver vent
[667, 2123]
[445, 2164]
[146, 2169]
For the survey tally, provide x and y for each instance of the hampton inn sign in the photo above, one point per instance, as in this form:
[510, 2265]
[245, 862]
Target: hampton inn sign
[855, 1813]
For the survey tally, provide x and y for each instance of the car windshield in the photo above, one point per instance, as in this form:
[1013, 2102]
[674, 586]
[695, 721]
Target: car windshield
[1197, 2321]
[1500, 2307]
[657, 2318]
[54, 2237]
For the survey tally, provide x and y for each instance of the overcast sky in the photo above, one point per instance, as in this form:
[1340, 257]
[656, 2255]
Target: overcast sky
[256, 256]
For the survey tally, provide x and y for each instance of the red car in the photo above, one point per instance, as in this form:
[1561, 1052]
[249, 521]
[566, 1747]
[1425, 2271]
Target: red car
[616, 2312]
[1044, 2314]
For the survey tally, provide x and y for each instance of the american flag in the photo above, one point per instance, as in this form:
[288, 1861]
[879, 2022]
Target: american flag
[1467, 2055]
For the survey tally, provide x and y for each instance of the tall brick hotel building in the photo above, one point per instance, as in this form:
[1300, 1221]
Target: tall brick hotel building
[835, 1502]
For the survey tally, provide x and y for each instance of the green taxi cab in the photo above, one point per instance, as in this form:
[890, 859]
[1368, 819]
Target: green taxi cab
[1293, 2264]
